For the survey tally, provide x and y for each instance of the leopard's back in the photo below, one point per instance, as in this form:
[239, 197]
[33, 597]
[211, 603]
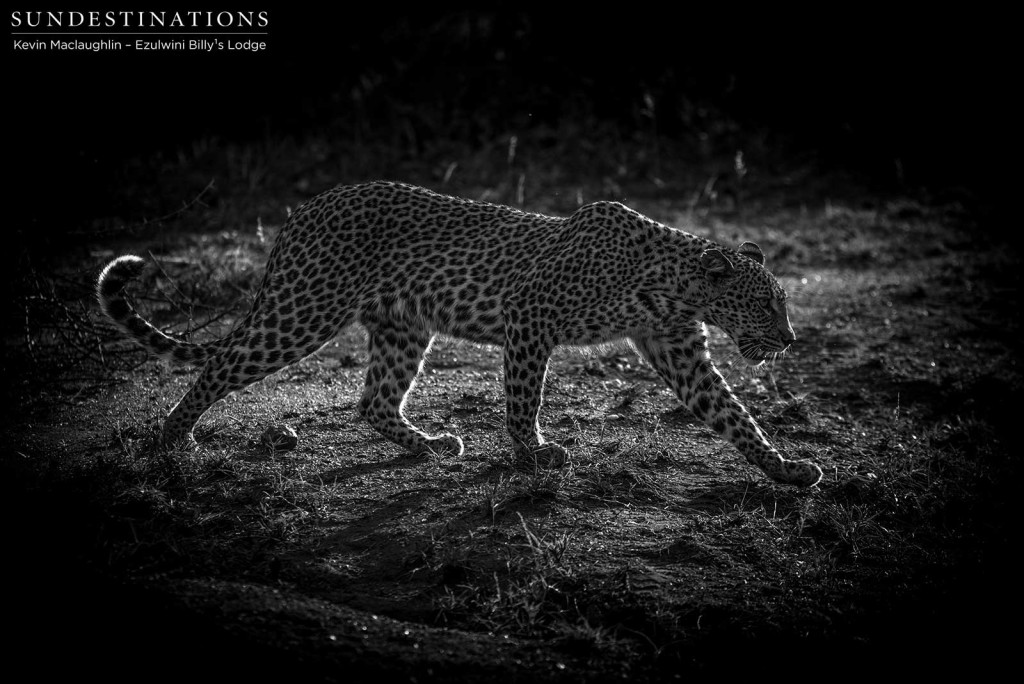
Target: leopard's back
[399, 250]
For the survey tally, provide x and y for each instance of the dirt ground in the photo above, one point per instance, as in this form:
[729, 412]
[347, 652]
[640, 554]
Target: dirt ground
[657, 554]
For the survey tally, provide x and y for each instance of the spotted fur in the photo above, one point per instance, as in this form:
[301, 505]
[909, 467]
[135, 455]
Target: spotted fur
[409, 264]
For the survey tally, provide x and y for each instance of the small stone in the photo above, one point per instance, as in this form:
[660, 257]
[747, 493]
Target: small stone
[279, 438]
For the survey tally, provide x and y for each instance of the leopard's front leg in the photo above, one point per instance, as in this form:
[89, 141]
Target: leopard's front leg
[527, 350]
[684, 363]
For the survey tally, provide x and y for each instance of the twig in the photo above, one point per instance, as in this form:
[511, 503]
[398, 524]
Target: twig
[184, 207]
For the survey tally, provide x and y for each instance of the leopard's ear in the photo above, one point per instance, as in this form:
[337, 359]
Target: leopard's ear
[752, 251]
[716, 263]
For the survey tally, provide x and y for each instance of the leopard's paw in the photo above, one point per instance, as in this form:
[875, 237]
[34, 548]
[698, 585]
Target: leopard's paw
[442, 445]
[178, 441]
[546, 455]
[800, 473]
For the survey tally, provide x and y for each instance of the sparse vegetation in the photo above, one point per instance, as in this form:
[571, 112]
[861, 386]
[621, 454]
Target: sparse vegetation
[655, 553]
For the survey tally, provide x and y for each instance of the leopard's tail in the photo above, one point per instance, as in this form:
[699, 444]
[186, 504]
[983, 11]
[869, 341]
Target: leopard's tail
[110, 293]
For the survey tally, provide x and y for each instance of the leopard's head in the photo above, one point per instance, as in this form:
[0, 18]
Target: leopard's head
[748, 302]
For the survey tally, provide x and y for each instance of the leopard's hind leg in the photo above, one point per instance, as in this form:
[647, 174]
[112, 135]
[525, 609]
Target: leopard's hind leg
[396, 358]
[278, 342]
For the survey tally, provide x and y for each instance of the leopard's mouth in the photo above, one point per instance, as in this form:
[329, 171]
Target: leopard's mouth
[757, 352]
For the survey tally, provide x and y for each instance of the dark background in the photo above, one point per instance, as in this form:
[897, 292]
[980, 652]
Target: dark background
[854, 91]
[905, 102]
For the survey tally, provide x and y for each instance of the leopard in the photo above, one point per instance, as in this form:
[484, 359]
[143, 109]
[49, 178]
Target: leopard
[410, 264]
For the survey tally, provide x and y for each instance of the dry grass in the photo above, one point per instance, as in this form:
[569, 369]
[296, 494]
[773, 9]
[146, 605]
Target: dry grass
[655, 551]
